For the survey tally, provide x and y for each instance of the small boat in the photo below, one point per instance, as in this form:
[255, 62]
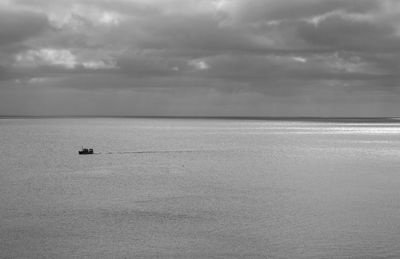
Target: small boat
[86, 151]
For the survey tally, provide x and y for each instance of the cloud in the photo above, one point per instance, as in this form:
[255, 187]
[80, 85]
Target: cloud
[49, 57]
[254, 10]
[168, 39]
[58, 58]
[19, 26]
[278, 48]
[341, 31]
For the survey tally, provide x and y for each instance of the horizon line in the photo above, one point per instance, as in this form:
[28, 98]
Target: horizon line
[323, 118]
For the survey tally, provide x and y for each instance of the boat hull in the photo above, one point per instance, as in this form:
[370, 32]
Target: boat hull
[85, 151]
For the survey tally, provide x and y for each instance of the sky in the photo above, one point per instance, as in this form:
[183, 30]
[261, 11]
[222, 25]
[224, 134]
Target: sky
[200, 57]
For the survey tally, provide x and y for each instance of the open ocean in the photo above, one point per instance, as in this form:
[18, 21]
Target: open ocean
[199, 188]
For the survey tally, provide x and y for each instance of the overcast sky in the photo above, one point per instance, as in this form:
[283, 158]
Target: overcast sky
[200, 57]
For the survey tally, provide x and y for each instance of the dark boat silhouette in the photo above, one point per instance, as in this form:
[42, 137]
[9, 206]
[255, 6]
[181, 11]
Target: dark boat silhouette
[86, 151]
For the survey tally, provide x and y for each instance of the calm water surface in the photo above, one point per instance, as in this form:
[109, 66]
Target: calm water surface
[170, 188]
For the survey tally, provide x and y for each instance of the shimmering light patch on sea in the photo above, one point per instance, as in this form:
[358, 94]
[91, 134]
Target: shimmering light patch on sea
[283, 127]
[336, 130]
[319, 129]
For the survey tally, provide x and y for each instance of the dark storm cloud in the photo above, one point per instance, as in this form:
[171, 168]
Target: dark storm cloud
[257, 39]
[199, 32]
[254, 10]
[276, 47]
[18, 26]
[346, 33]
[144, 65]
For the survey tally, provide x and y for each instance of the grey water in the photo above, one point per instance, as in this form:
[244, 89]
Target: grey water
[199, 188]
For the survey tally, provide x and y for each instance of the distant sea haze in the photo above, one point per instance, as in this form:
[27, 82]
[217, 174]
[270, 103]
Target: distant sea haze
[199, 187]
[267, 118]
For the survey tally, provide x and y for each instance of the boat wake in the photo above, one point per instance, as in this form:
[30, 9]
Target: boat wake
[151, 152]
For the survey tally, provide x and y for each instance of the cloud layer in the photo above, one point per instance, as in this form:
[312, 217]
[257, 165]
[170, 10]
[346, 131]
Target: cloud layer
[273, 57]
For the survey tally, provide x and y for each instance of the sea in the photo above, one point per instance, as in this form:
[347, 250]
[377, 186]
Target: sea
[199, 188]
